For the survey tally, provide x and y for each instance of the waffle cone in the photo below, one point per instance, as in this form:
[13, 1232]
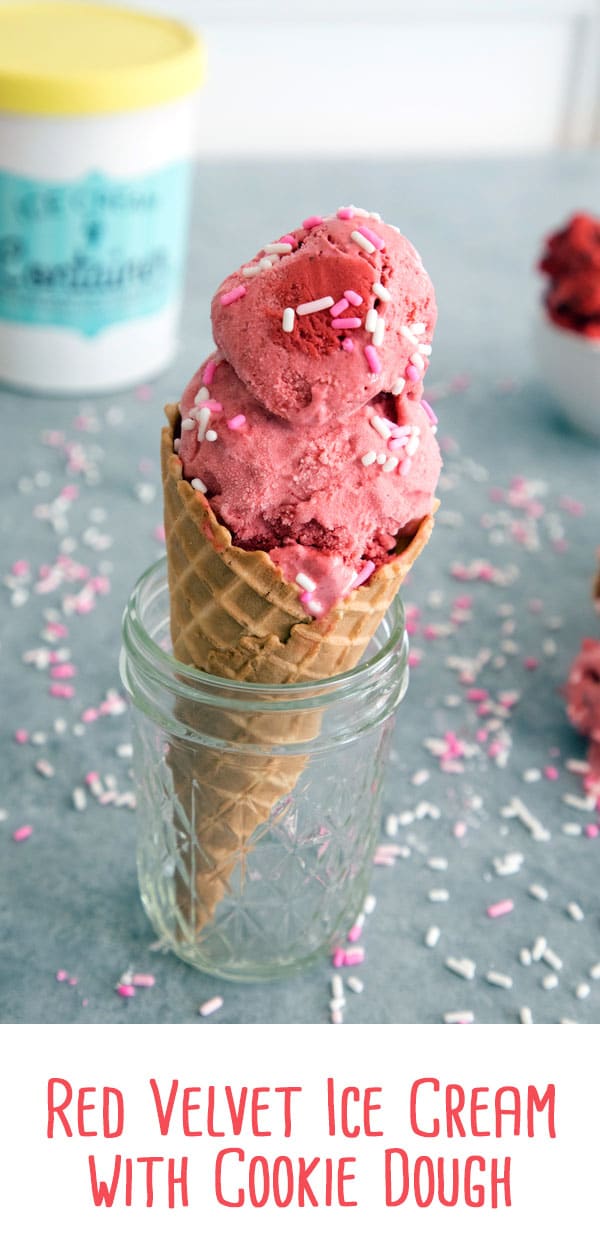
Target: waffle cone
[233, 615]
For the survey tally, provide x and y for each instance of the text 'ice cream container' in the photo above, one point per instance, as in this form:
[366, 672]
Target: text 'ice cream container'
[97, 132]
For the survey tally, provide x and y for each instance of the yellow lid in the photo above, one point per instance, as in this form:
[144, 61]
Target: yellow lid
[92, 59]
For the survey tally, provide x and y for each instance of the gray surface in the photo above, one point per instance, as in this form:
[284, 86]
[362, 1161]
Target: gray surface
[69, 896]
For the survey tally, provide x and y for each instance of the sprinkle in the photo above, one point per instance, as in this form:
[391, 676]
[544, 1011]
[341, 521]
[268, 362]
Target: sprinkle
[311, 308]
[212, 1005]
[373, 360]
[236, 422]
[314, 220]
[22, 833]
[371, 320]
[354, 957]
[288, 319]
[350, 322]
[369, 903]
[411, 373]
[438, 894]
[381, 292]
[369, 458]
[278, 247]
[340, 307]
[348, 344]
[337, 1004]
[418, 360]
[289, 240]
[499, 979]
[143, 981]
[46, 770]
[406, 332]
[538, 892]
[525, 957]
[338, 957]
[203, 422]
[62, 975]
[372, 236]
[594, 971]
[202, 396]
[354, 983]
[380, 425]
[463, 967]
[353, 297]
[198, 484]
[125, 990]
[417, 328]
[305, 582]
[362, 241]
[552, 959]
[398, 386]
[363, 575]
[379, 333]
[405, 467]
[337, 986]
[233, 295]
[254, 270]
[188, 424]
[525, 1015]
[550, 982]
[432, 936]
[390, 464]
[575, 911]
[211, 435]
[345, 212]
[209, 372]
[539, 945]
[355, 932]
[500, 908]
[429, 412]
[516, 809]
[21, 736]
[459, 1017]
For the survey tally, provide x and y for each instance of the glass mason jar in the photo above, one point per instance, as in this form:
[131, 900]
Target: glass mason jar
[258, 807]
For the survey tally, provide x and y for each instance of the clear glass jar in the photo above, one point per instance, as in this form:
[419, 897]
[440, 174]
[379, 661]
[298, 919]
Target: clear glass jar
[258, 808]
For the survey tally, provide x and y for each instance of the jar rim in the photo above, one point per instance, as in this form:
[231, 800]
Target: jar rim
[186, 680]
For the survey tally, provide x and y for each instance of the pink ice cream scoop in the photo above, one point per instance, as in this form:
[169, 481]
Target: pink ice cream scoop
[582, 693]
[348, 311]
[307, 431]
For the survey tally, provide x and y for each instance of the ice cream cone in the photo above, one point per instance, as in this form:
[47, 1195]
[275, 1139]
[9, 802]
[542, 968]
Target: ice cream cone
[233, 615]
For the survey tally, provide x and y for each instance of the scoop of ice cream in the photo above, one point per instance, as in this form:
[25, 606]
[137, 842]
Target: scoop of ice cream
[327, 501]
[582, 693]
[331, 315]
[571, 259]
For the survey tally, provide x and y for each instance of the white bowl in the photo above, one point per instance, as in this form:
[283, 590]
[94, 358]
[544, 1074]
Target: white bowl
[569, 365]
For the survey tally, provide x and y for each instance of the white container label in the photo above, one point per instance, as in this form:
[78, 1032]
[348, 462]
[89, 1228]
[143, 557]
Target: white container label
[93, 252]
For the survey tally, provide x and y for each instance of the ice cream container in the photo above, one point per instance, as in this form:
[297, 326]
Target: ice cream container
[569, 366]
[97, 133]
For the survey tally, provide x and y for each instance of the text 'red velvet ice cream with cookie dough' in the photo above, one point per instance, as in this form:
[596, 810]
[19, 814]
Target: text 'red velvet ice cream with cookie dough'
[307, 430]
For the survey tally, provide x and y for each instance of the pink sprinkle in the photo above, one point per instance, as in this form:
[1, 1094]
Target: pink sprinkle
[69, 492]
[346, 323]
[429, 412]
[372, 236]
[477, 693]
[414, 658]
[126, 990]
[20, 568]
[143, 981]
[500, 908]
[58, 629]
[412, 373]
[288, 240]
[460, 830]
[90, 715]
[63, 671]
[338, 958]
[345, 212]
[306, 597]
[236, 422]
[21, 736]
[233, 295]
[353, 297]
[592, 830]
[209, 372]
[353, 957]
[72, 980]
[396, 443]
[405, 467]
[531, 662]
[159, 533]
[348, 344]
[336, 310]
[550, 772]
[212, 404]
[92, 776]
[355, 933]
[62, 975]
[313, 221]
[61, 691]
[363, 575]
[22, 833]
[373, 360]
[144, 393]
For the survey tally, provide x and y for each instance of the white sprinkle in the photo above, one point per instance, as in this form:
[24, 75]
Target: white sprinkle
[575, 911]
[288, 320]
[390, 825]
[337, 985]
[369, 458]
[379, 333]
[336, 1017]
[516, 809]
[124, 750]
[594, 972]
[369, 903]
[355, 984]
[382, 458]
[438, 894]
[571, 829]
[278, 247]
[252, 271]
[420, 777]
[266, 263]
[406, 332]
[198, 484]
[371, 320]
[380, 426]
[45, 769]
[437, 863]
[539, 945]
[538, 892]
[417, 328]
[577, 767]
[188, 423]
[210, 435]
[499, 979]
[204, 416]
[582, 991]
[550, 982]
[398, 386]
[202, 396]
[459, 1017]
[412, 445]
[418, 360]
[337, 1003]
[525, 1015]
[212, 1005]
[390, 464]
[361, 240]
[381, 292]
[463, 967]
[311, 308]
[585, 803]
[531, 776]
[508, 864]
[305, 582]
[432, 936]
[176, 445]
[79, 799]
[425, 348]
[525, 957]
[552, 959]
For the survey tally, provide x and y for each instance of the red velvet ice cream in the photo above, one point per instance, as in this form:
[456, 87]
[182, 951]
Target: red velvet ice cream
[307, 430]
[571, 259]
[583, 705]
